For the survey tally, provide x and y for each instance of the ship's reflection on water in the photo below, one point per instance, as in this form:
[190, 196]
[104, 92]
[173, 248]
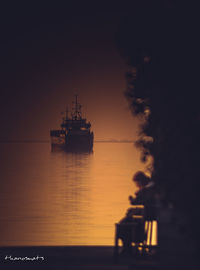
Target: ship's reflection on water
[63, 198]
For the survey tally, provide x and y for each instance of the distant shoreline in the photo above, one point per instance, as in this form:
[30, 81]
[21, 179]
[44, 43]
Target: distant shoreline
[46, 141]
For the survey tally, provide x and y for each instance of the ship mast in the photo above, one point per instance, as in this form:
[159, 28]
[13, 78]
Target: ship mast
[66, 113]
[76, 115]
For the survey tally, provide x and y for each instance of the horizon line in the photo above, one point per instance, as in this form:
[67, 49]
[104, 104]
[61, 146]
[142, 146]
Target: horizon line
[48, 141]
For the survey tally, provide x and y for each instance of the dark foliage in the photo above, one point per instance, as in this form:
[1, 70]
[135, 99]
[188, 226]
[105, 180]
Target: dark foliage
[161, 49]
[141, 179]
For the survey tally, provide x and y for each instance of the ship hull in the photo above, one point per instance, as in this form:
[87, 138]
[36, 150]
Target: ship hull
[79, 143]
[75, 143]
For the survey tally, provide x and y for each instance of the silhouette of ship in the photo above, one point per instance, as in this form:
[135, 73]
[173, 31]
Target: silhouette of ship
[75, 134]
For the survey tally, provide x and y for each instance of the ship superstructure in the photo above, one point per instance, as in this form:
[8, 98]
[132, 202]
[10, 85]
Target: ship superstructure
[75, 134]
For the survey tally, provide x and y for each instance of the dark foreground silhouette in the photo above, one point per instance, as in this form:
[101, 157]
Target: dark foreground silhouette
[57, 257]
[81, 258]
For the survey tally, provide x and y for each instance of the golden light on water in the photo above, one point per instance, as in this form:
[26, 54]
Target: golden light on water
[65, 199]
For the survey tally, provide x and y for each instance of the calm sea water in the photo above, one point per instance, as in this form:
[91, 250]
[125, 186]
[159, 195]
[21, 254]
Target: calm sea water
[64, 199]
